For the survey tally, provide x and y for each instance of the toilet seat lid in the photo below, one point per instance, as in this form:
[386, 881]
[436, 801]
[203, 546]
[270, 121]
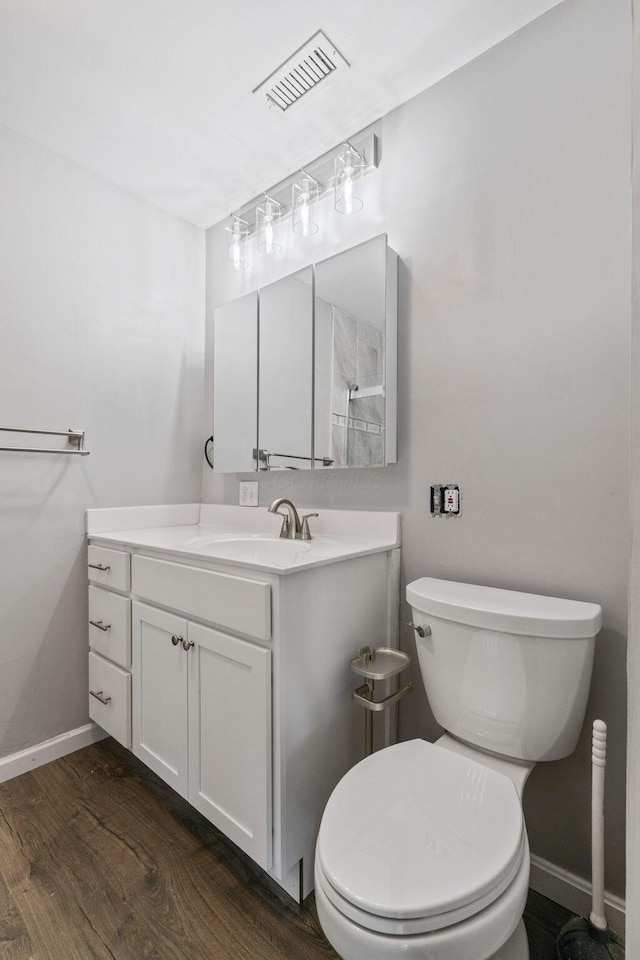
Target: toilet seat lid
[415, 831]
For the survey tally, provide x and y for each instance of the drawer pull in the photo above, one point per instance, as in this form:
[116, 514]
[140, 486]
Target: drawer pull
[100, 625]
[99, 566]
[176, 640]
[99, 695]
[187, 644]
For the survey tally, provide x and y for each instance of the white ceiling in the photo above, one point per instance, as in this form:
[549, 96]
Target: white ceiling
[155, 95]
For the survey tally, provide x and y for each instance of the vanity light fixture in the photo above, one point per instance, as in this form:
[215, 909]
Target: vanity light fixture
[236, 232]
[348, 166]
[267, 217]
[304, 193]
[263, 217]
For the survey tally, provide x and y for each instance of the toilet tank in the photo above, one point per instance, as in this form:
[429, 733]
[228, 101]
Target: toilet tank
[507, 672]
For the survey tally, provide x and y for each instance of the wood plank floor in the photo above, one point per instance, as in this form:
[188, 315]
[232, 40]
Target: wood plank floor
[100, 859]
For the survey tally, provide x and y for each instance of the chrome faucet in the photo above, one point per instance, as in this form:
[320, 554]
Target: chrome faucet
[293, 528]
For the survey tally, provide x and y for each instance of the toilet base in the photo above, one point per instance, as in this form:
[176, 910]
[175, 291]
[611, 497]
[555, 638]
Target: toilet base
[496, 933]
[516, 947]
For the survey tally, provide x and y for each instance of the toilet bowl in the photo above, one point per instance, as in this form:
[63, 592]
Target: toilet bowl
[422, 852]
[483, 936]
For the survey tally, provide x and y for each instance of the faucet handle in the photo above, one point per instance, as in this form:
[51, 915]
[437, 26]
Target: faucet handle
[305, 533]
[286, 523]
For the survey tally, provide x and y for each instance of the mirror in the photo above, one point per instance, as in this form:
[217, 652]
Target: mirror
[352, 326]
[286, 372]
[305, 368]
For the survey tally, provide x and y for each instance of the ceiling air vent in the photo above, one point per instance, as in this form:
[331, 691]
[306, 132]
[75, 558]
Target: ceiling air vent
[312, 63]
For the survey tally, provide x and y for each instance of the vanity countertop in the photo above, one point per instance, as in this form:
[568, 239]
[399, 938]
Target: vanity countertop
[245, 536]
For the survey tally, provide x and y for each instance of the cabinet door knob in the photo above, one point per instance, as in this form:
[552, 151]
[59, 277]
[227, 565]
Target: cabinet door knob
[99, 566]
[176, 640]
[187, 644]
[100, 625]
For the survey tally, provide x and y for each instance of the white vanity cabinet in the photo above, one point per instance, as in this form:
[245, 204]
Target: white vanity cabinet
[231, 681]
[202, 721]
[110, 641]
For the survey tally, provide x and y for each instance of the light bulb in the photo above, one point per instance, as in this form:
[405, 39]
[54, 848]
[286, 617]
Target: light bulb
[237, 232]
[304, 215]
[267, 216]
[268, 236]
[347, 193]
[304, 193]
[347, 167]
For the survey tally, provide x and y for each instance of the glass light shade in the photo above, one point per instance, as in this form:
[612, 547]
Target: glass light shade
[267, 218]
[236, 233]
[304, 194]
[348, 166]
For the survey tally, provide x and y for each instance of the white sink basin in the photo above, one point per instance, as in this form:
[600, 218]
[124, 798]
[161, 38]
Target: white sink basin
[206, 540]
[272, 551]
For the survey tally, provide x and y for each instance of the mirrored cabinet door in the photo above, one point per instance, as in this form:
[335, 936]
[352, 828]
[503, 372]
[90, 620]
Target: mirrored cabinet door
[235, 385]
[355, 356]
[286, 373]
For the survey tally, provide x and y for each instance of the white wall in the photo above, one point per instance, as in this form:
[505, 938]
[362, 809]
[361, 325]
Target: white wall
[100, 329]
[505, 191]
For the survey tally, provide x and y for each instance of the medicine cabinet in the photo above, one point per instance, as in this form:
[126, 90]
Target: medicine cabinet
[304, 369]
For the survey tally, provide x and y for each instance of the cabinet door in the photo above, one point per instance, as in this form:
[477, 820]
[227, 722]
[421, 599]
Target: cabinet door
[230, 738]
[235, 385]
[285, 400]
[160, 683]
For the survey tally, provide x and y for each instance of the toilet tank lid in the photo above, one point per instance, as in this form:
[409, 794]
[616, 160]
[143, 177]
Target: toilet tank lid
[505, 610]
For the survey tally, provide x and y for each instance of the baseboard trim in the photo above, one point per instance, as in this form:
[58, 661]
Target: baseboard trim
[574, 893]
[25, 760]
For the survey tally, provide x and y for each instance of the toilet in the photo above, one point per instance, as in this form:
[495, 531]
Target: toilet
[422, 852]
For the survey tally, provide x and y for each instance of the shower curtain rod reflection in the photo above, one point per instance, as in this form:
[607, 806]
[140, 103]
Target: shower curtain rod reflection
[75, 438]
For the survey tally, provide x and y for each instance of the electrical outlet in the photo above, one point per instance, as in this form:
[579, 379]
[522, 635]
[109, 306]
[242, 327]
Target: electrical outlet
[445, 500]
[451, 500]
[248, 493]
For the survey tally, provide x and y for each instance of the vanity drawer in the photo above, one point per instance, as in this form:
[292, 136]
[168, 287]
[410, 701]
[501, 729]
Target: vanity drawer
[110, 568]
[110, 625]
[113, 685]
[239, 604]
